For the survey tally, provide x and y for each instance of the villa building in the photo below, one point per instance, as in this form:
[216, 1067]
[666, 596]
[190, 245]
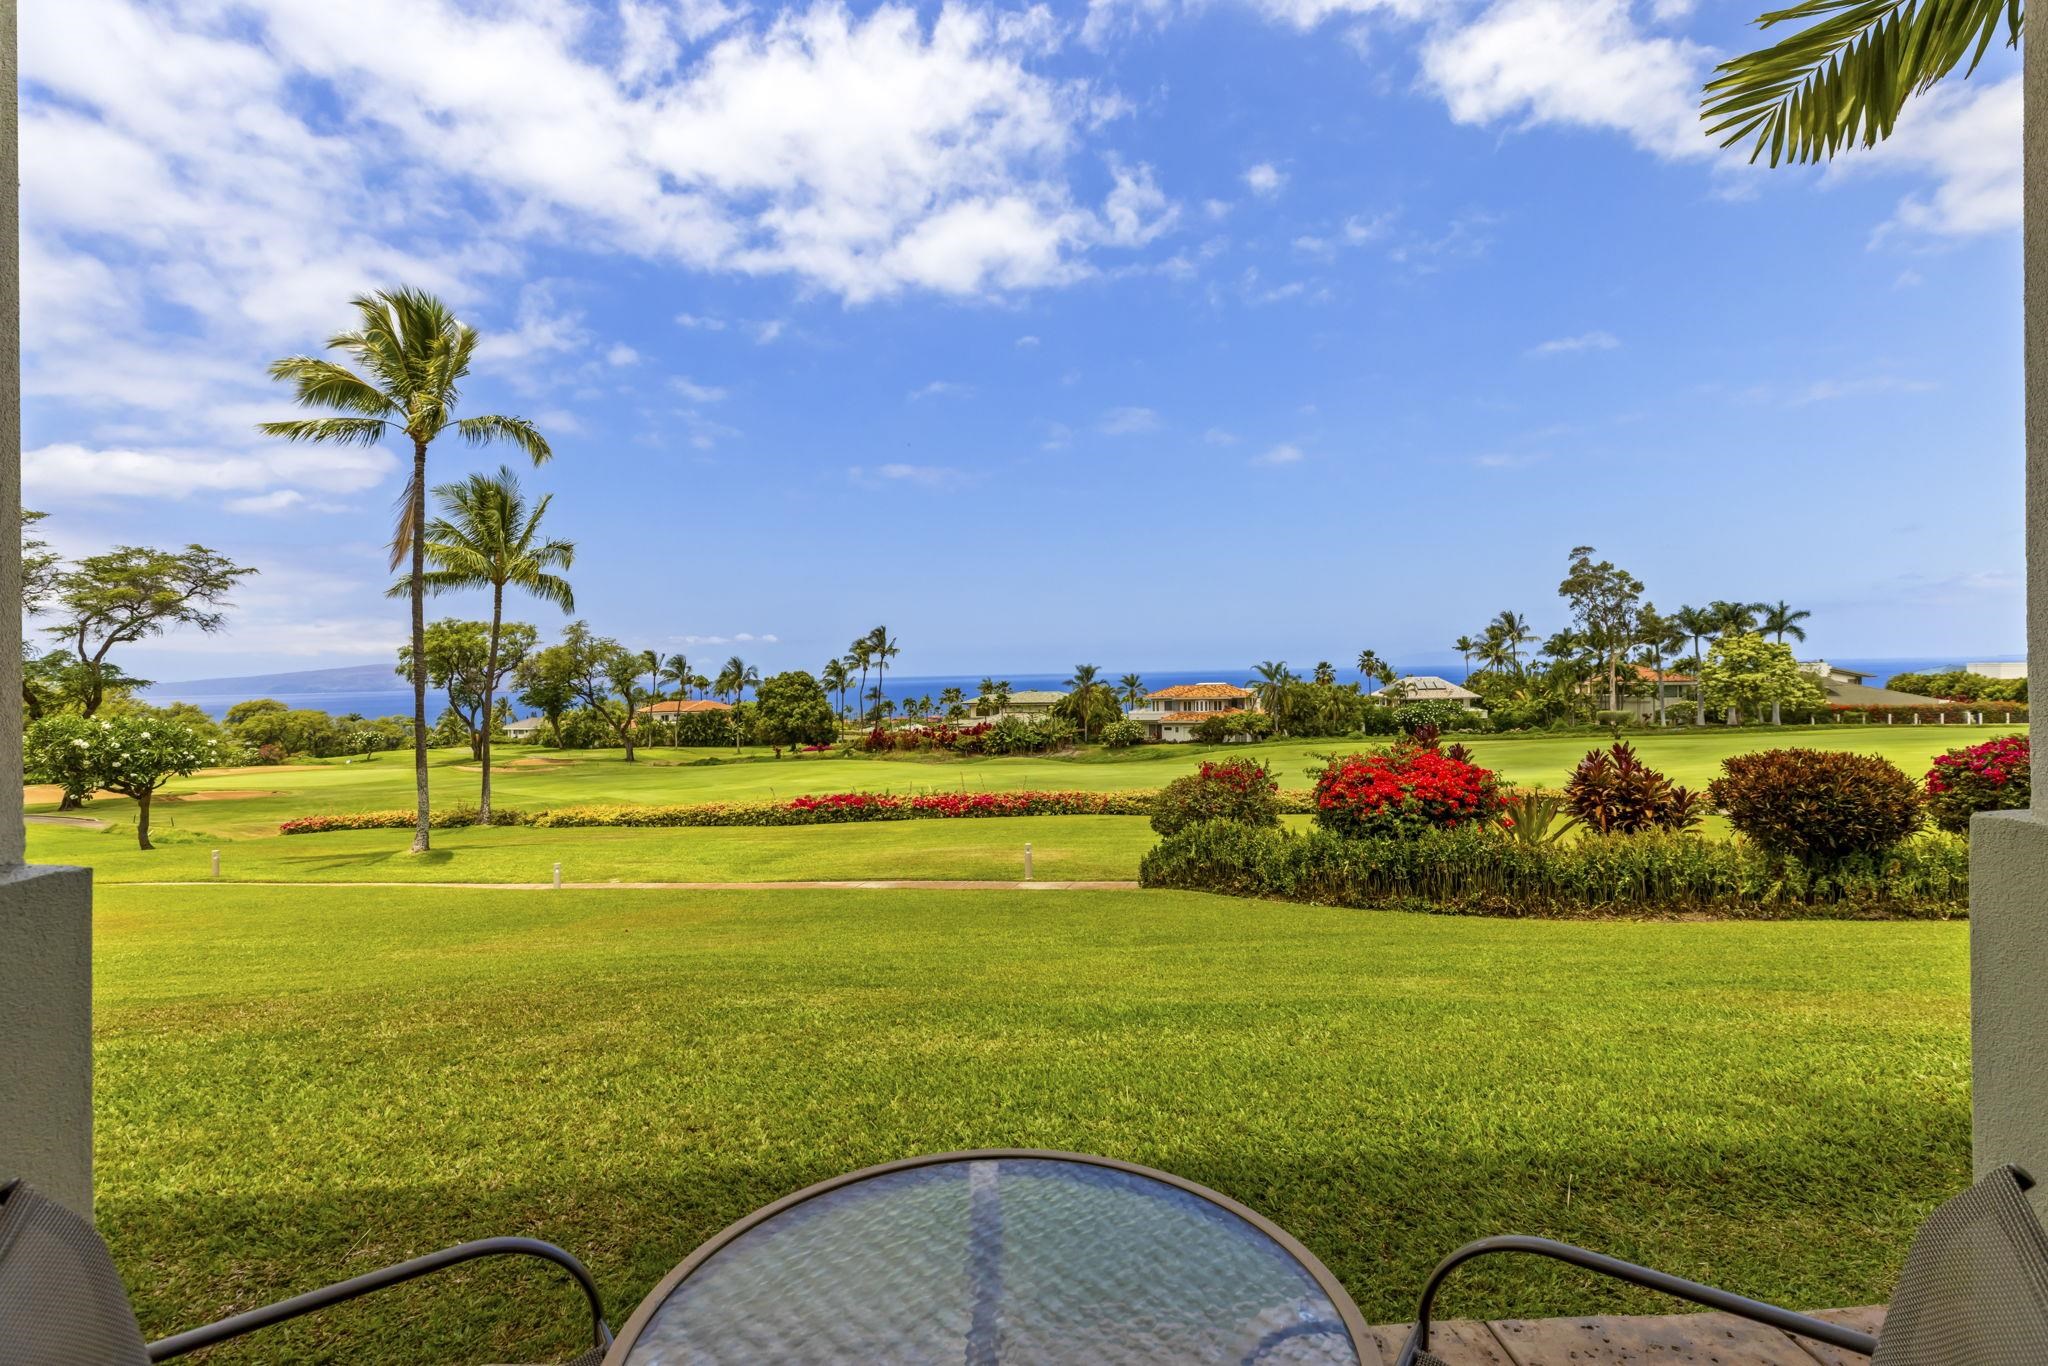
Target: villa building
[1847, 688]
[2001, 668]
[1029, 703]
[678, 706]
[1644, 687]
[1427, 688]
[526, 729]
[1171, 714]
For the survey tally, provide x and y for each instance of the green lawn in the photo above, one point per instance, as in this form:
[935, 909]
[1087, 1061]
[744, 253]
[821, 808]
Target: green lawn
[239, 811]
[293, 1088]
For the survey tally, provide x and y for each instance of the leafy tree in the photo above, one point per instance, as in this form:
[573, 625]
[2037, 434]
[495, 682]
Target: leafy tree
[1747, 674]
[470, 663]
[1843, 79]
[132, 593]
[591, 669]
[791, 709]
[132, 754]
[546, 683]
[59, 681]
[1604, 602]
[415, 354]
[40, 565]
[1780, 620]
[488, 537]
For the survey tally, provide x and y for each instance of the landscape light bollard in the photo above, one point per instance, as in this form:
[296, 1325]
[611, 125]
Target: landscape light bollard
[216, 865]
[558, 877]
[1027, 860]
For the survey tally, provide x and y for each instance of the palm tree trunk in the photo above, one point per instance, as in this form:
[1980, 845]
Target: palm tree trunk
[1699, 684]
[483, 804]
[418, 514]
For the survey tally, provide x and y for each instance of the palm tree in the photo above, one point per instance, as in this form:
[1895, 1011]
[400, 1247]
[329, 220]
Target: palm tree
[487, 537]
[676, 669]
[884, 650]
[836, 678]
[1325, 674]
[1844, 79]
[1270, 686]
[1131, 689]
[860, 655]
[415, 353]
[1466, 648]
[1780, 620]
[1734, 618]
[1697, 623]
[736, 677]
[984, 697]
[1087, 678]
[1369, 664]
[1514, 630]
[953, 700]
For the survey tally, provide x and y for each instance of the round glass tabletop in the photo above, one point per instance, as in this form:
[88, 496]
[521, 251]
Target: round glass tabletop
[990, 1257]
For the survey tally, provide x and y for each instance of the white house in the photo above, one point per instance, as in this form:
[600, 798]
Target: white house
[2002, 668]
[1027, 702]
[525, 728]
[1171, 714]
[1427, 688]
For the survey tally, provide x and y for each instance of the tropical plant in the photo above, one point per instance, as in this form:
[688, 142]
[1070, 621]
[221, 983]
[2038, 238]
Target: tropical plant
[1993, 776]
[1744, 674]
[860, 655]
[1530, 817]
[883, 648]
[1371, 666]
[131, 754]
[735, 678]
[415, 354]
[469, 661]
[488, 537]
[676, 669]
[1697, 623]
[1818, 806]
[1239, 790]
[1131, 690]
[1512, 629]
[1270, 683]
[132, 593]
[1466, 648]
[1615, 793]
[836, 678]
[1403, 791]
[1605, 603]
[1843, 79]
[1087, 693]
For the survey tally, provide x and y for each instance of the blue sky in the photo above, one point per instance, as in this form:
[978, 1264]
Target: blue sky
[1154, 334]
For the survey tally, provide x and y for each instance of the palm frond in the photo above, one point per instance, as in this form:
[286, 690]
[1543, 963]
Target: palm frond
[482, 431]
[340, 431]
[318, 383]
[1844, 78]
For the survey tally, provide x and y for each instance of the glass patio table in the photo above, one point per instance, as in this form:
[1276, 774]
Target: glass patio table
[1008, 1256]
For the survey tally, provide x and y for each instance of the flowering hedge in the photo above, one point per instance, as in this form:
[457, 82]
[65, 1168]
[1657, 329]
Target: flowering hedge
[1403, 791]
[1992, 776]
[834, 808]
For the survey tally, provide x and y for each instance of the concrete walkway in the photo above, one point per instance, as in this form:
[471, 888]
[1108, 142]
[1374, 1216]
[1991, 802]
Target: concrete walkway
[1660, 1340]
[934, 884]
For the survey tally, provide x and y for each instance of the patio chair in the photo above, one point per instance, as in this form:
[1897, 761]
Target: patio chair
[62, 1302]
[1974, 1291]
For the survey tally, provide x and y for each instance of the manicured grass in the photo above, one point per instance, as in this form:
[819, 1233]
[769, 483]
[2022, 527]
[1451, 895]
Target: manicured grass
[1064, 848]
[296, 1087]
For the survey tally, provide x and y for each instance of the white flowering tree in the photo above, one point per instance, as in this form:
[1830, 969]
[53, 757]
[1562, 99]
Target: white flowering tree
[131, 754]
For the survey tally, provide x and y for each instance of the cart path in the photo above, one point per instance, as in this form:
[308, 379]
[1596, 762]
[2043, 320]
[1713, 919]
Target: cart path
[872, 884]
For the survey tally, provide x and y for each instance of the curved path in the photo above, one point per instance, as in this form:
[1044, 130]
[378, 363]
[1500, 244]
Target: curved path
[937, 884]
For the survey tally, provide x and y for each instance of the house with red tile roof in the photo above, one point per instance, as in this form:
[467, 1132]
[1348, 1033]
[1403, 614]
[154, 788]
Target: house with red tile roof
[1171, 714]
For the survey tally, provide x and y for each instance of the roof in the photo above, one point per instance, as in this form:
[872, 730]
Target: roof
[1023, 697]
[526, 723]
[1422, 687]
[676, 706]
[1646, 674]
[1200, 692]
[1860, 695]
[1175, 718]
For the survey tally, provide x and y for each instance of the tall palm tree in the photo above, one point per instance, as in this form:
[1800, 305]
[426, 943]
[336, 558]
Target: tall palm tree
[736, 677]
[1734, 618]
[1325, 673]
[952, 699]
[1844, 78]
[1780, 620]
[1697, 623]
[860, 655]
[676, 669]
[1514, 630]
[836, 678]
[415, 354]
[1466, 648]
[1131, 689]
[1369, 665]
[884, 650]
[487, 537]
[984, 697]
[1082, 686]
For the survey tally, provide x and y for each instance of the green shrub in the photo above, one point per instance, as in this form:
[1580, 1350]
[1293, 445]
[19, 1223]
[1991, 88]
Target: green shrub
[1471, 871]
[1121, 734]
[1993, 776]
[447, 819]
[1818, 806]
[1240, 791]
[1616, 718]
[1613, 792]
[1442, 713]
[1227, 726]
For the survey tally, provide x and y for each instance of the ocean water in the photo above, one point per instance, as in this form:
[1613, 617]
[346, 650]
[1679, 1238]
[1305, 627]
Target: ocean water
[397, 701]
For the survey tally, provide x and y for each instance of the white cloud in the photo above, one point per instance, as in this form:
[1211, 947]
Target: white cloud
[1218, 209]
[622, 355]
[1058, 436]
[699, 322]
[71, 472]
[921, 476]
[278, 500]
[737, 638]
[1279, 455]
[1137, 210]
[1264, 178]
[1571, 63]
[1966, 136]
[767, 330]
[1585, 341]
[1217, 436]
[941, 388]
[1026, 342]
[695, 392]
[1128, 421]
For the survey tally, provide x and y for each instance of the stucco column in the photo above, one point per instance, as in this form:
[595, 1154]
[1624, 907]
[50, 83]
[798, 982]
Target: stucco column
[45, 913]
[2009, 850]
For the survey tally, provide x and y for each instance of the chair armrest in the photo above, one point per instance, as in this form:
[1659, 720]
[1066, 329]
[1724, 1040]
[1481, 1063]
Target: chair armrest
[236, 1325]
[1785, 1320]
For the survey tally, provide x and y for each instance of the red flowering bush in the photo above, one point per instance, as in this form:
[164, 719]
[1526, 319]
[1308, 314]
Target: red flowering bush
[1239, 790]
[1992, 776]
[1405, 791]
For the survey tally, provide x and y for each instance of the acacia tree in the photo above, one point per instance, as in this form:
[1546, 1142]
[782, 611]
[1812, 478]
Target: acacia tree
[470, 663]
[415, 354]
[1746, 673]
[1604, 602]
[132, 593]
[593, 669]
[487, 537]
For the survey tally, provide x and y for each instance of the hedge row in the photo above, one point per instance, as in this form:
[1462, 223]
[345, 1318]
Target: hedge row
[1475, 872]
[836, 808]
